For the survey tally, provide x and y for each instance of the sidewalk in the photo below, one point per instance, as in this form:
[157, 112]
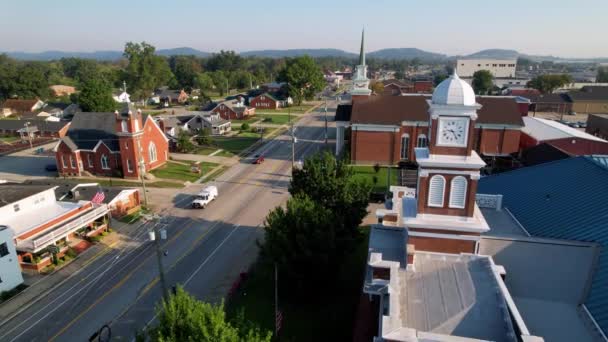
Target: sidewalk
[225, 161]
[40, 285]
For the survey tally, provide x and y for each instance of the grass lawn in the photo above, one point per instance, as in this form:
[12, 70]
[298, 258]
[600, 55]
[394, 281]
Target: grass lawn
[249, 120]
[134, 216]
[205, 150]
[9, 139]
[294, 109]
[277, 119]
[182, 172]
[235, 144]
[329, 319]
[157, 184]
[368, 173]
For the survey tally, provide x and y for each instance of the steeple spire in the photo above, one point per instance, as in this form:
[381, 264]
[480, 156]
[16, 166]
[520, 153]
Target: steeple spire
[124, 86]
[362, 52]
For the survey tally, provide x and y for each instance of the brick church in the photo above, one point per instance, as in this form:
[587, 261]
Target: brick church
[115, 144]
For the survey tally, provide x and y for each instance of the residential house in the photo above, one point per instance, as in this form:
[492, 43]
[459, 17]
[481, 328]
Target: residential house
[268, 101]
[37, 128]
[597, 124]
[567, 140]
[120, 201]
[112, 144]
[234, 110]
[273, 87]
[172, 125]
[59, 90]
[559, 103]
[211, 121]
[590, 100]
[10, 272]
[565, 199]
[16, 106]
[168, 97]
[38, 116]
[37, 220]
[397, 87]
[59, 110]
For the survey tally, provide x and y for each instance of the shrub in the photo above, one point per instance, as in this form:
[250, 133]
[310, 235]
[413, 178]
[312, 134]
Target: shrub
[71, 253]
[245, 126]
[267, 120]
[95, 238]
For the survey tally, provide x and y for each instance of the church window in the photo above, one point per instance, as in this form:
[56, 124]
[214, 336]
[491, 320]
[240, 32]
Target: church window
[436, 191]
[458, 192]
[422, 141]
[104, 162]
[123, 126]
[152, 152]
[405, 141]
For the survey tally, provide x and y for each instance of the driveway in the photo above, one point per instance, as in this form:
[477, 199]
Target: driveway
[26, 164]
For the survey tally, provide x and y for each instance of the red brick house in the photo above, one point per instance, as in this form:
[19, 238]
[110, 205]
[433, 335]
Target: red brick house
[233, 110]
[387, 129]
[39, 128]
[267, 101]
[112, 144]
[397, 87]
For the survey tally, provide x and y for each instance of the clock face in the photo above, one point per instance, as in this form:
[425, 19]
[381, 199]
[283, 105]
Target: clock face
[453, 132]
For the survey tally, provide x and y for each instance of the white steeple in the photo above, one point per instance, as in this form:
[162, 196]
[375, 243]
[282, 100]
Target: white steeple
[360, 80]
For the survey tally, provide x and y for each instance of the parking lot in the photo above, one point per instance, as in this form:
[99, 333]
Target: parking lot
[27, 164]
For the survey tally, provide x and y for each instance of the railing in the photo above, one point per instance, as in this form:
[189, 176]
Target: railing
[489, 201]
[69, 227]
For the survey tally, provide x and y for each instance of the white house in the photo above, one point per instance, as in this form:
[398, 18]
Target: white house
[10, 273]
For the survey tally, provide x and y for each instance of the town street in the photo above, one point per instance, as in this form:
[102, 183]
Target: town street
[205, 252]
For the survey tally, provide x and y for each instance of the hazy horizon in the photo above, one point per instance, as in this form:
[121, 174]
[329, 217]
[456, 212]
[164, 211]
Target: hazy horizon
[541, 27]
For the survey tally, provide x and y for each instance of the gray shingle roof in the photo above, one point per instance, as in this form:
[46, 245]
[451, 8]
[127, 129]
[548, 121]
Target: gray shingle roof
[13, 192]
[88, 128]
[44, 126]
[565, 199]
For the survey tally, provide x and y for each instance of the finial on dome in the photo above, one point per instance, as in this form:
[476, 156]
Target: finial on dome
[362, 51]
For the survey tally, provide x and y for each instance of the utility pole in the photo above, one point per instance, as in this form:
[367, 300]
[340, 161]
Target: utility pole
[157, 235]
[142, 171]
[326, 123]
[27, 131]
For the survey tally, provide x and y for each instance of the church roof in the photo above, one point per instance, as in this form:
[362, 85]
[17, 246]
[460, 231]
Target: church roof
[454, 91]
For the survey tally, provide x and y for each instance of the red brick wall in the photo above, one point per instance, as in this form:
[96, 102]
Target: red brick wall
[264, 102]
[371, 147]
[152, 134]
[225, 112]
[440, 245]
[423, 87]
[499, 141]
[579, 147]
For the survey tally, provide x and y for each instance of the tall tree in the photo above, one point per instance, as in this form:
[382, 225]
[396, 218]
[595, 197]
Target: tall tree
[96, 96]
[303, 77]
[185, 69]
[225, 61]
[548, 83]
[8, 75]
[220, 81]
[482, 82]
[32, 80]
[602, 74]
[377, 87]
[184, 318]
[145, 71]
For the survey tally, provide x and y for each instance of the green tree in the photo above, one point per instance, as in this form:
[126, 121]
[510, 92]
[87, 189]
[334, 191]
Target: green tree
[482, 82]
[602, 74]
[184, 144]
[304, 78]
[184, 318]
[186, 69]
[377, 87]
[244, 126]
[220, 81]
[439, 78]
[96, 96]
[28, 80]
[225, 61]
[204, 138]
[145, 71]
[203, 81]
[8, 76]
[548, 83]
[319, 227]
[399, 75]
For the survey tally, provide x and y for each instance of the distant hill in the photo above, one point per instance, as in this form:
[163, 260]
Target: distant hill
[299, 52]
[182, 51]
[494, 54]
[52, 55]
[406, 53]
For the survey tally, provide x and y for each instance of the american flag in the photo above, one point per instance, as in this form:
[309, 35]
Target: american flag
[99, 197]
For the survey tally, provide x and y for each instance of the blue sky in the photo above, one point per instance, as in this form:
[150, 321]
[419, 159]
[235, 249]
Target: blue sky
[563, 28]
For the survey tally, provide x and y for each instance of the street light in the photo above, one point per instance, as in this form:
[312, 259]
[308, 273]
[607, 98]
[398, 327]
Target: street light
[27, 131]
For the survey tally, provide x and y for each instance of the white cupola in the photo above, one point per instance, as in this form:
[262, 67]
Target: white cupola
[454, 91]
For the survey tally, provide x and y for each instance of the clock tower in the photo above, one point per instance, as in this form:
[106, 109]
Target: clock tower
[360, 85]
[444, 216]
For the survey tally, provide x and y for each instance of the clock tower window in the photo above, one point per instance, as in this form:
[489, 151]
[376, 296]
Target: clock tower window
[458, 192]
[436, 191]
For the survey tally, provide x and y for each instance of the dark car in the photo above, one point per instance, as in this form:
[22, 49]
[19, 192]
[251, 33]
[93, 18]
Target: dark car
[51, 168]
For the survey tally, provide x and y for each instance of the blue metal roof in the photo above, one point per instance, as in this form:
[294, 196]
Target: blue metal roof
[565, 199]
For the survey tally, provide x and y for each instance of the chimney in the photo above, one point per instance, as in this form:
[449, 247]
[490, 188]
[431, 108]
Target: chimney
[161, 124]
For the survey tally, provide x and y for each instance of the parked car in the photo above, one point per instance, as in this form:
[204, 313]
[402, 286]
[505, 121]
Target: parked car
[573, 124]
[582, 124]
[203, 198]
[259, 159]
[51, 167]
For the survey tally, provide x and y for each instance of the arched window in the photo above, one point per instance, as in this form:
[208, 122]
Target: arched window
[405, 142]
[152, 152]
[104, 162]
[436, 191]
[422, 142]
[458, 192]
[123, 126]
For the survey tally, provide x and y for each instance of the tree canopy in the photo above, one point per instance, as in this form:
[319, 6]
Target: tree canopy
[304, 78]
[145, 70]
[184, 318]
[602, 74]
[319, 226]
[482, 82]
[96, 96]
[548, 83]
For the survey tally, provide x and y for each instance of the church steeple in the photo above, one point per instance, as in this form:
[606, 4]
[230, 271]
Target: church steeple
[362, 52]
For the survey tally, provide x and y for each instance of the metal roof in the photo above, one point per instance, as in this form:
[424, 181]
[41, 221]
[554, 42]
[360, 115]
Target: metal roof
[565, 199]
[543, 129]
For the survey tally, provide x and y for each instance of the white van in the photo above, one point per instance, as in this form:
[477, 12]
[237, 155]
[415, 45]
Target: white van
[203, 198]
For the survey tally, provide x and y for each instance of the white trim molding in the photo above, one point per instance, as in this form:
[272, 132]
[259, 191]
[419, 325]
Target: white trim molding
[375, 128]
[445, 236]
[427, 172]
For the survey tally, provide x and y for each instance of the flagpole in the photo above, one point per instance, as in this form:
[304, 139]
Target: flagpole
[276, 301]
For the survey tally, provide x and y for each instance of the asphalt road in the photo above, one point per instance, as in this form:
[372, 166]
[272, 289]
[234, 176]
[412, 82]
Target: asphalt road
[206, 251]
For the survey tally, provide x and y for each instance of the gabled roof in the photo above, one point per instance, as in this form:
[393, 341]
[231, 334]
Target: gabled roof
[89, 128]
[590, 93]
[543, 130]
[396, 82]
[392, 110]
[564, 199]
[20, 105]
[42, 125]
